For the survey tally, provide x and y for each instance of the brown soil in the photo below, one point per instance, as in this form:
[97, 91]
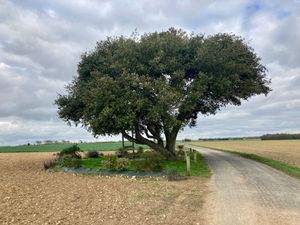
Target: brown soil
[29, 195]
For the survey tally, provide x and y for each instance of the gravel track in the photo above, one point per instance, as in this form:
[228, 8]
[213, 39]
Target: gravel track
[29, 195]
[248, 192]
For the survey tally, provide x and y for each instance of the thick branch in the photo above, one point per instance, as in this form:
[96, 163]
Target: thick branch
[152, 144]
[156, 133]
[130, 138]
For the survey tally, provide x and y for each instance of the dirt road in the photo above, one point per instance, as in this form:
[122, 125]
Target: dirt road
[248, 192]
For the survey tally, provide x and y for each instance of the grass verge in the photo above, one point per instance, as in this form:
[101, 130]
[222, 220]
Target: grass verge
[284, 167]
[199, 168]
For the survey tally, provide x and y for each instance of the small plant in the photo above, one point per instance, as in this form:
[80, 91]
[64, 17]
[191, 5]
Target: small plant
[92, 154]
[50, 164]
[72, 151]
[122, 164]
[69, 161]
[110, 162]
[151, 161]
[122, 153]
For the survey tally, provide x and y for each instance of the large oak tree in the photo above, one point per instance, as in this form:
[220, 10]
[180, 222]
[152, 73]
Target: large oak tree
[158, 83]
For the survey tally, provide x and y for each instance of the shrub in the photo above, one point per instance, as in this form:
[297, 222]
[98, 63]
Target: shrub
[72, 151]
[122, 152]
[151, 161]
[70, 161]
[122, 164]
[110, 162]
[92, 154]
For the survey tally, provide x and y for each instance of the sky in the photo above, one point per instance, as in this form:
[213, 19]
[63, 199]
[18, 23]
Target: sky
[41, 42]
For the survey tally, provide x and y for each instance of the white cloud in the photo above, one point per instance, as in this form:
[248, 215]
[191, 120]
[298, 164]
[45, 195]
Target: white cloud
[41, 43]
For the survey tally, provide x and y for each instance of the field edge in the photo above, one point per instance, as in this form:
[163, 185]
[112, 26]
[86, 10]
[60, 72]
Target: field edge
[279, 165]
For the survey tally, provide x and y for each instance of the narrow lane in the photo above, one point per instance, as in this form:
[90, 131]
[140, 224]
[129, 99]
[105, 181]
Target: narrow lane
[248, 192]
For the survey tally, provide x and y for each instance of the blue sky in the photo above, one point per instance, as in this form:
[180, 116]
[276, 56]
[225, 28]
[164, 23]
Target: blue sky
[41, 43]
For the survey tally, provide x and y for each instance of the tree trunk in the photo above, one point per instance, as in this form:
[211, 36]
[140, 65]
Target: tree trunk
[171, 141]
[168, 151]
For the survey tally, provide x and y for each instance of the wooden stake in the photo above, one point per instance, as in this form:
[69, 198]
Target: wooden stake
[188, 164]
[195, 156]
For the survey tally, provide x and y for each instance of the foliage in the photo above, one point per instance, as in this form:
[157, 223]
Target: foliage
[158, 83]
[92, 154]
[72, 151]
[151, 161]
[280, 136]
[110, 162]
[69, 161]
[122, 164]
[199, 168]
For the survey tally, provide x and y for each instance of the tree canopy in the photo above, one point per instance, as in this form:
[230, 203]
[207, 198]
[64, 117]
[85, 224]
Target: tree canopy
[158, 83]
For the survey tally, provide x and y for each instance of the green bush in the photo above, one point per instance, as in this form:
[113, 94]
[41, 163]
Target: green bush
[92, 154]
[122, 164]
[72, 151]
[69, 161]
[151, 161]
[110, 162]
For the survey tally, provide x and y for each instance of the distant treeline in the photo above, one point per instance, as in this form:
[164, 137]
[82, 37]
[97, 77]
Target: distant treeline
[50, 142]
[280, 136]
[228, 138]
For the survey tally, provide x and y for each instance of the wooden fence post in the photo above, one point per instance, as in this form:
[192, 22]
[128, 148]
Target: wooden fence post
[195, 156]
[188, 164]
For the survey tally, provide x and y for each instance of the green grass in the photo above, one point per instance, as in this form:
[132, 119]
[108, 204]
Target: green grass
[92, 163]
[199, 168]
[105, 146]
[284, 167]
